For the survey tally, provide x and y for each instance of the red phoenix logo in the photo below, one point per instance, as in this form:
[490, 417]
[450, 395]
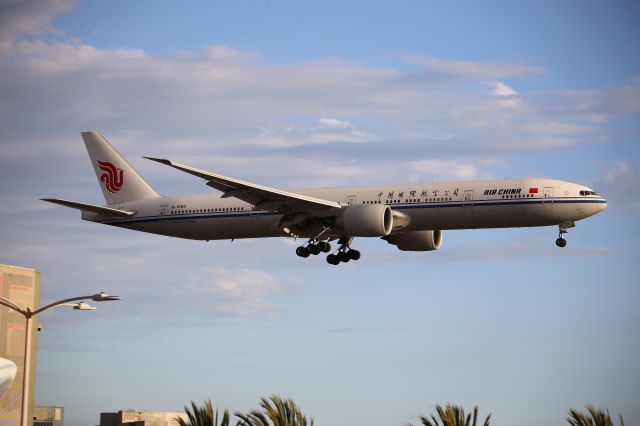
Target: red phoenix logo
[113, 176]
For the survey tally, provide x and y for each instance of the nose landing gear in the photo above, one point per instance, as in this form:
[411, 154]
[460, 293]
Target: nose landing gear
[562, 229]
[561, 242]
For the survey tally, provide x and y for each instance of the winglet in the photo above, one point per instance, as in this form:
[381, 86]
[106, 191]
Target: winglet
[160, 160]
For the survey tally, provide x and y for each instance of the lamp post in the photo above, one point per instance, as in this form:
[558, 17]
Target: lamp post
[28, 315]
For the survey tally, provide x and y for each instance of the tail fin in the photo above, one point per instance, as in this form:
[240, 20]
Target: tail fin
[118, 180]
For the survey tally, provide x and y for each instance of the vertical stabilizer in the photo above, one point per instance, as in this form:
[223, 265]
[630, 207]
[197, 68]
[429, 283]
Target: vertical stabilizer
[118, 180]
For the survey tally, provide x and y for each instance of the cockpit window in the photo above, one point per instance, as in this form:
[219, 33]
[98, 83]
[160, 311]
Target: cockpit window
[588, 193]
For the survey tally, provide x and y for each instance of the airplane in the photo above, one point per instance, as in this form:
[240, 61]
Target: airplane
[410, 216]
[8, 371]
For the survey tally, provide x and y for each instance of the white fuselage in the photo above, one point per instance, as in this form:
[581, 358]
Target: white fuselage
[8, 371]
[429, 206]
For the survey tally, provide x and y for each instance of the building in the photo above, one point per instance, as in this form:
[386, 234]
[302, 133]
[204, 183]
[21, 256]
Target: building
[22, 287]
[48, 416]
[141, 418]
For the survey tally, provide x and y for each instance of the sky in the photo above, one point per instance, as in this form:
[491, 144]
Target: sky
[314, 94]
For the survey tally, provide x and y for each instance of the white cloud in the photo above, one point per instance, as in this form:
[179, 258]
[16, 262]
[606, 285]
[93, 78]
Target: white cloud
[243, 284]
[594, 105]
[241, 293]
[335, 123]
[449, 169]
[20, 18]
[218, 96]
[501, 89]
[289, 134]
[471, 69]
[49, 59]
[226, 54]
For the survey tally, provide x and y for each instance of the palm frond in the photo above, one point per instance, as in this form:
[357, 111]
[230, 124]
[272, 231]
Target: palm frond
[276, 411]
[453, 415]
[593, 417]
[203, 416]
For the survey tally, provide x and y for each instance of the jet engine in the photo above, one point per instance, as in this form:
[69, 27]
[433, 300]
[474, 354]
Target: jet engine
[416, 240]
[366, 220]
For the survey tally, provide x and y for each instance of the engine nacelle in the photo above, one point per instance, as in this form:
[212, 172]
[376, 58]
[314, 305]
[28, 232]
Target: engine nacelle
[367, 220]
[416, 240]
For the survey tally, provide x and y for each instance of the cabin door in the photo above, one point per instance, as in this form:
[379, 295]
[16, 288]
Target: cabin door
[547, 200]
[467, 205]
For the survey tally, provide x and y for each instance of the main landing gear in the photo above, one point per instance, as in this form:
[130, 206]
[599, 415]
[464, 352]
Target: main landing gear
[344, 253]
[313, 248]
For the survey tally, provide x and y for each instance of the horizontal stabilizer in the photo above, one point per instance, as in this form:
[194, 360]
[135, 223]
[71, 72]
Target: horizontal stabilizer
[108, 211]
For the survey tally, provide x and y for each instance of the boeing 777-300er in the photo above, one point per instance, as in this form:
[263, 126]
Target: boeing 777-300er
[409, 216]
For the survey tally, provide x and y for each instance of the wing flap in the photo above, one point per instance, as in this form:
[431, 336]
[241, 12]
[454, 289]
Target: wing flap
[264, 197]
[108, 211]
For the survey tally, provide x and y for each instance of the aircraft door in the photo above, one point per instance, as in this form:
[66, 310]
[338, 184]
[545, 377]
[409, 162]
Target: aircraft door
[547, 200]
[351, 200]
[164, 209]
[467, 206]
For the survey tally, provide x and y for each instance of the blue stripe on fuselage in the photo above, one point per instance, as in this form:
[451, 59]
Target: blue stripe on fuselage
[397, 206]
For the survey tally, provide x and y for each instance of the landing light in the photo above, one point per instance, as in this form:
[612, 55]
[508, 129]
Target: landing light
[84, 307]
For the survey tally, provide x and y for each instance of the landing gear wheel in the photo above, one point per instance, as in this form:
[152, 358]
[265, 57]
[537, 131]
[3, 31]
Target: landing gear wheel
[332, 259]
[343, 256]
[353, 254]
[302, 251]
[562, 229]
[324, 246]
[314, 249]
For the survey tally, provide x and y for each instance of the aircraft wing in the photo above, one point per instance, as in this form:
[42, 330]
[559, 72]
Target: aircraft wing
[262, 197]
[90, 207]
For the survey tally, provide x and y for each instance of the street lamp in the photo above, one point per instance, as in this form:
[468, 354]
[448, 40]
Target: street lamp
[28, 314]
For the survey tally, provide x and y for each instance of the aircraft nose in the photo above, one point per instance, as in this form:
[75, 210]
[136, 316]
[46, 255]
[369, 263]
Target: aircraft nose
[603, 205]
[592, 208]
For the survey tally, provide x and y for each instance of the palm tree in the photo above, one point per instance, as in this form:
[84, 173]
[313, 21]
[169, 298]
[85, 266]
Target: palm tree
[276, 412]
[203, 416]
[595, 417]
[453, 415]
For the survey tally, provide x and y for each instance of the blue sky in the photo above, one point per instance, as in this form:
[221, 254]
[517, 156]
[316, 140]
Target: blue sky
[294, 94]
